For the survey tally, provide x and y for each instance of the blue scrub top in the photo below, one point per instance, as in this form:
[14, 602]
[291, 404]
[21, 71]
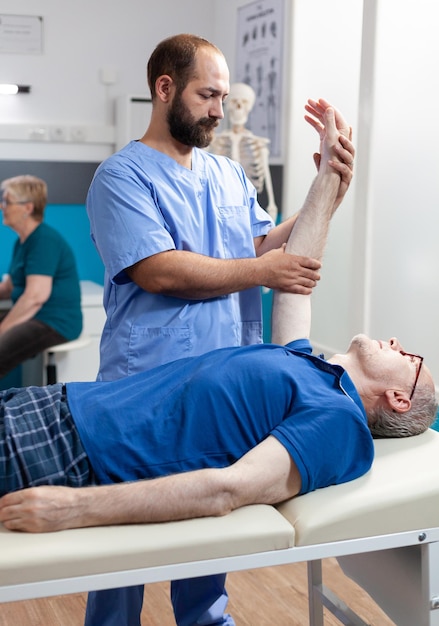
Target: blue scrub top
[142, 202]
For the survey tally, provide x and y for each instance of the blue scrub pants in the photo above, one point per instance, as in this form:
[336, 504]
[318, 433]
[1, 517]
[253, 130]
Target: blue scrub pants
[196, 601]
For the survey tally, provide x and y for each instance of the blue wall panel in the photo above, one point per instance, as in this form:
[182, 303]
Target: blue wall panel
[72, 222]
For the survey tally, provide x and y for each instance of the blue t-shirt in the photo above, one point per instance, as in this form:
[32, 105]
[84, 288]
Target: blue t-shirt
[142, 202]
[47, 253]
[208, 411]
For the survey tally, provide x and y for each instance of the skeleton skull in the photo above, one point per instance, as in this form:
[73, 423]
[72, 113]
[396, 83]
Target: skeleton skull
[239, 103]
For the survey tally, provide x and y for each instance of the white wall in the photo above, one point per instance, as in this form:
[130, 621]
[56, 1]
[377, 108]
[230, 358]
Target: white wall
[382, 257]
[404, 187]
[80, 39]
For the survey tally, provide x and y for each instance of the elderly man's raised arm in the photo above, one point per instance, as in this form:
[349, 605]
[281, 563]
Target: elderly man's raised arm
[291, 318]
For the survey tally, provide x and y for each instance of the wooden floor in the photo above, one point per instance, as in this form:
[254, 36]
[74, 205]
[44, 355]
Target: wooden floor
[273, 596]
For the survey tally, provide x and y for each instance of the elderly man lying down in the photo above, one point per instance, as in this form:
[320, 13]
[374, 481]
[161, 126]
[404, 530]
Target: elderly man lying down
[257, 424]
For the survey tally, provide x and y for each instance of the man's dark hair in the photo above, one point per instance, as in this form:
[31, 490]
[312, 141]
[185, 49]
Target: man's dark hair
[175, 56]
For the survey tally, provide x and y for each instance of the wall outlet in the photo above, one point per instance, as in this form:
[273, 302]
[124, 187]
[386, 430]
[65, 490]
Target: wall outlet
[39, 133]
[78, 134]
[108, 75]
[58, 133]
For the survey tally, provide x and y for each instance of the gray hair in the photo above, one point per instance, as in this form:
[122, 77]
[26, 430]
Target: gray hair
[422, 414]
[27, 188]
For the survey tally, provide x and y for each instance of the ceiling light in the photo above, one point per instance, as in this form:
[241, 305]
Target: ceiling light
[12, 90]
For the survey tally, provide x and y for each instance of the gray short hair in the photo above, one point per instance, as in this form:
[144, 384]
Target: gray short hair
[422, 414]
[27, 188]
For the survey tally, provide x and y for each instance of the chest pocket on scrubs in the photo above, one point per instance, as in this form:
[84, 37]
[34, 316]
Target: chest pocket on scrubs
[150, 347]
[236, 232]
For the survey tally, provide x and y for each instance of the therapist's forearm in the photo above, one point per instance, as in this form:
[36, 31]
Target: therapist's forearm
[184, 274]
[188, 275]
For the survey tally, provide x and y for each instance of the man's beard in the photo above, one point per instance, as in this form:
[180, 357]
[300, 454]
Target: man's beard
[184, 128]
[365, 349]
[362, 343]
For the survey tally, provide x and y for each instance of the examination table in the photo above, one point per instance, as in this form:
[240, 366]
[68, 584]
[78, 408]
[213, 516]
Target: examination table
[383, 528]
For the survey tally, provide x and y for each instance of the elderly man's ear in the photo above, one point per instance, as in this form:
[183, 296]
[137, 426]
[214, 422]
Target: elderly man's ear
[397, 400]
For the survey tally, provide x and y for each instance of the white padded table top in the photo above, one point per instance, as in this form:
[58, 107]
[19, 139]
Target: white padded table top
[399, 493]
[28, 557]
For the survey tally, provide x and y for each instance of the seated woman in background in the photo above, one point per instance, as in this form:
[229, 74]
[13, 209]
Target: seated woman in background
[42, 282]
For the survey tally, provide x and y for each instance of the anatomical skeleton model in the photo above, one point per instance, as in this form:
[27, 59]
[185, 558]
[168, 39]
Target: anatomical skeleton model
[241, 145]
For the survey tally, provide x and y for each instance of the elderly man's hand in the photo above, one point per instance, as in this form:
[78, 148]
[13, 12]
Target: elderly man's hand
[317, 109]
[39, 509]
[345, 149]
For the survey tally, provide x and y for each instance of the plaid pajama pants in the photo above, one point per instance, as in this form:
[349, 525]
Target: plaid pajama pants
[39, 443]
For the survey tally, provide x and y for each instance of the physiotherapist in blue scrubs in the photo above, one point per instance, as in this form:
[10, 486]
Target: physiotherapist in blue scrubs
[186, 247]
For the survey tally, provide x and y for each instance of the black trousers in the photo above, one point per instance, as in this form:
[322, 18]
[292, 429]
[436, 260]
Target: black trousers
[25, 341]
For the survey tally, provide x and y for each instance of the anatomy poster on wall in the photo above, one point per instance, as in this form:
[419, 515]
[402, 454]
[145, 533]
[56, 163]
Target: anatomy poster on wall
[259, 64]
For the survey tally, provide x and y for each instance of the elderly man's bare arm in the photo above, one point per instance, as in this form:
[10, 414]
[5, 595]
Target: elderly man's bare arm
[291, 318]
[344, 152]
[265, 475]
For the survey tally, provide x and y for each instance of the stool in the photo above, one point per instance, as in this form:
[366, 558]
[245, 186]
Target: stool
[76, 344]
